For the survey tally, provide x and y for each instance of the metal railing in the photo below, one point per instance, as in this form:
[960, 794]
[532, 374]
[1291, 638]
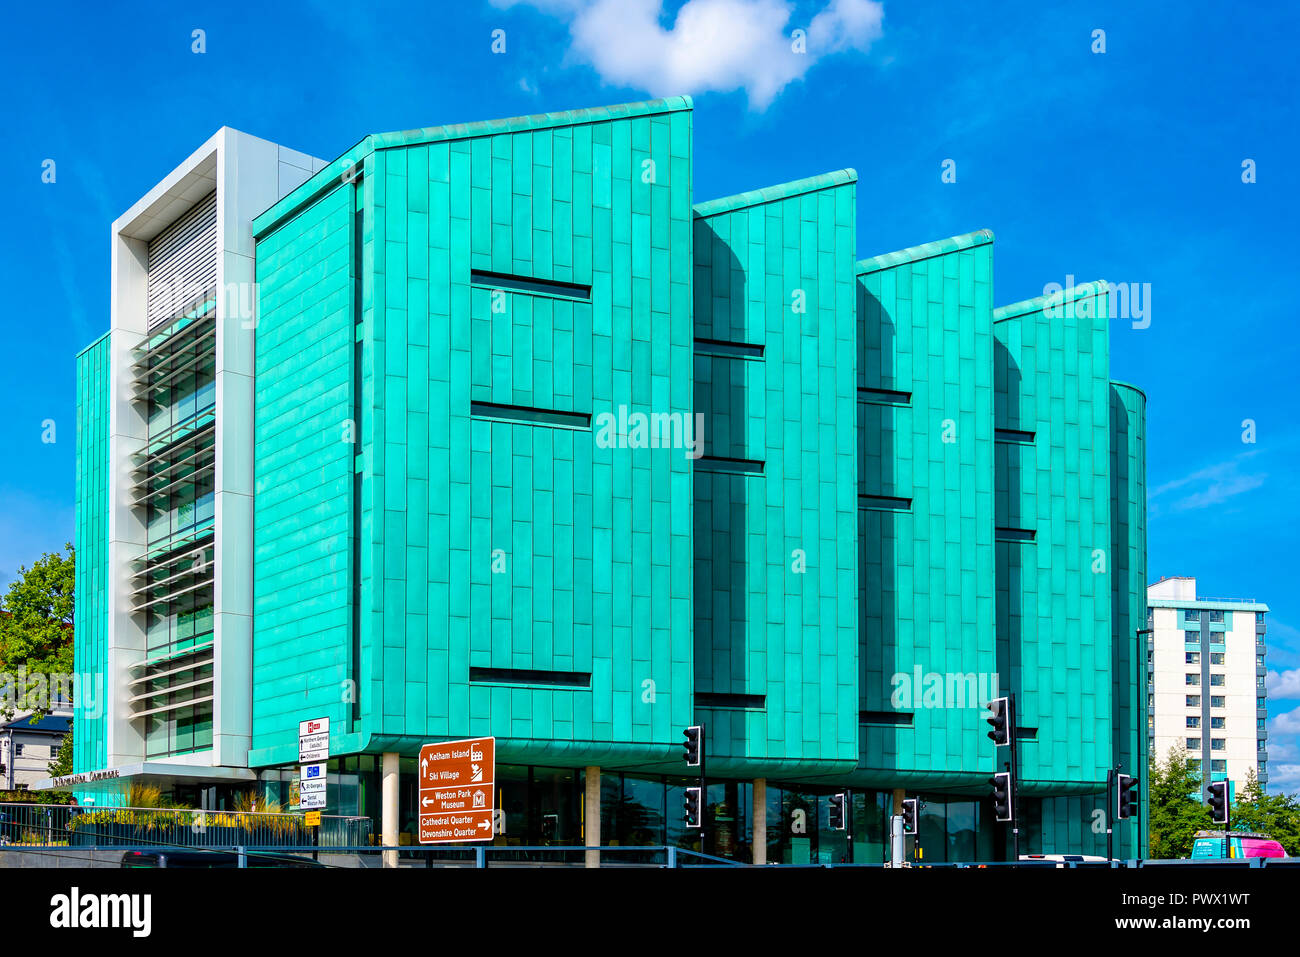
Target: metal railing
[66, 825]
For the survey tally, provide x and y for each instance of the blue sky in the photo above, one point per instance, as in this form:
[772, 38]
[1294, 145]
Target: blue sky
[1124, 165]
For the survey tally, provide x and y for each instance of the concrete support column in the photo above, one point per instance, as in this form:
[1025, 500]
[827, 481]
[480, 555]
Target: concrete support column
[759, 848]
[591, 815]
[388, 807]
[897, 840]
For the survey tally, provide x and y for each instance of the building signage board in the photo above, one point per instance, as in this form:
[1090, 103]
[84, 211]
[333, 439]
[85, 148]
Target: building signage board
[457, 794]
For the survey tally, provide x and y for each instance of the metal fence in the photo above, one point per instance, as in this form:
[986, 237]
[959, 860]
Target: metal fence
[52, 825]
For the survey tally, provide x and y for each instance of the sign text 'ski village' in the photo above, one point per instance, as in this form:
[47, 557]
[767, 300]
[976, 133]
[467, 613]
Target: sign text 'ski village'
[457, 794]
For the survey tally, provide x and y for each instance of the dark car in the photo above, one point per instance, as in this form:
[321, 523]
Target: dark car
[211, 859]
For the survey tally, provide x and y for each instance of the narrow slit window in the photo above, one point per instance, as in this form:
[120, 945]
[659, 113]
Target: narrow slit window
[528, 284]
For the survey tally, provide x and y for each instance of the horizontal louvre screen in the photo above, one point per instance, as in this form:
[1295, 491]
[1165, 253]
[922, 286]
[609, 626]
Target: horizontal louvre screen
[183, 262]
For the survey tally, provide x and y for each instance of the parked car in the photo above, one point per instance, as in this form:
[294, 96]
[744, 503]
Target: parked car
[1242, 844]
[211, 859]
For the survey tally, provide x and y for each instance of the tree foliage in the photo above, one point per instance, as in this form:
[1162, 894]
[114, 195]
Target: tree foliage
[1277, 815]
[1175, 811]
[36, 624]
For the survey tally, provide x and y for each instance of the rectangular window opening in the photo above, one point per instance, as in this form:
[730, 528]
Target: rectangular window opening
[887, 503]
[526, 415]
[714, 699]
[728, 348]
[531, 676]
[1014, 435]
[1015, 534]
[892, 718]
[719, 463]
[885, 396]
[545, 287]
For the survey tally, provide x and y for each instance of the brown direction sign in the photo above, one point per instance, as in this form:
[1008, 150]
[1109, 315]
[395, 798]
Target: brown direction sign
[457, 794]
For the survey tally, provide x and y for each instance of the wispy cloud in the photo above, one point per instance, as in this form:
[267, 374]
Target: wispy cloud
[1283, 778]
[710, 45]
[1208, 486]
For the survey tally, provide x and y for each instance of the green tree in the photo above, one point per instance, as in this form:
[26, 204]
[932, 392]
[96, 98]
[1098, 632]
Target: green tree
[62, 764]
[36, 622]
[1175, 813]
[1277, 815]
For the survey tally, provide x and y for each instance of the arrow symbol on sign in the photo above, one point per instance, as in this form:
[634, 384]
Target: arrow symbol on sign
[425, 802]
[484, 825]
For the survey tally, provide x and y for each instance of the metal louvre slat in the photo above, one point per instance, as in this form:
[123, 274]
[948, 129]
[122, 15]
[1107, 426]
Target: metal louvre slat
[178, 706]
[166, 444]
[201, 569]
[194, 665]
[173, 655]
[182, 260]
[169, 368]
[170, 562]
[170, 689]
[172, 546]
[198, 468]
[172, 596]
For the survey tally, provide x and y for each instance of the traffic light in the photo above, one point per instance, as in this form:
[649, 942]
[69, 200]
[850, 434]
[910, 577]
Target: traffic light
[998, 713]
[909, 815]
[1218, 798]
[692, 744]
[1126, 796]
[691, 807]
[1001, 782]
[838, 808]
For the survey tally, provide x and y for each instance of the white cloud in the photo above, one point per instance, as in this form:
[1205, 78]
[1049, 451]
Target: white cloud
[1286, 723]
[711, 45]
[1284, 684]
[1210, 486]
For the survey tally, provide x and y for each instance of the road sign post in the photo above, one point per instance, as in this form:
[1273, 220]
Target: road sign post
[313, 759]
[457, 793]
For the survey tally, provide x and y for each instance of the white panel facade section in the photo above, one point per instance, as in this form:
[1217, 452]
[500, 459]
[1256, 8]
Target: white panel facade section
[253, 174]
[1169, 684]
[127, 538]
[249, 175]
[1240, 736]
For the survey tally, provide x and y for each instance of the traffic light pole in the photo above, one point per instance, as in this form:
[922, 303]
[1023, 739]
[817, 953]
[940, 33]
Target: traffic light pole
[1014, 768]
[848, 820]
[704, 789]
[1112, 808]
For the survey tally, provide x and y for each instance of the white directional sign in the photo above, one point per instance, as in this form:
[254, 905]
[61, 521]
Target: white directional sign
[313, 740]
[312, 800]
[313, 752]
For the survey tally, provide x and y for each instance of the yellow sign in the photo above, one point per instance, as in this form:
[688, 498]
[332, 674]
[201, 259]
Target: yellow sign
[313, 818]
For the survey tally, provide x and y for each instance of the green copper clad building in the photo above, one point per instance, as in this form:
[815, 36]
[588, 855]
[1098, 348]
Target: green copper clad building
[515, 438]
